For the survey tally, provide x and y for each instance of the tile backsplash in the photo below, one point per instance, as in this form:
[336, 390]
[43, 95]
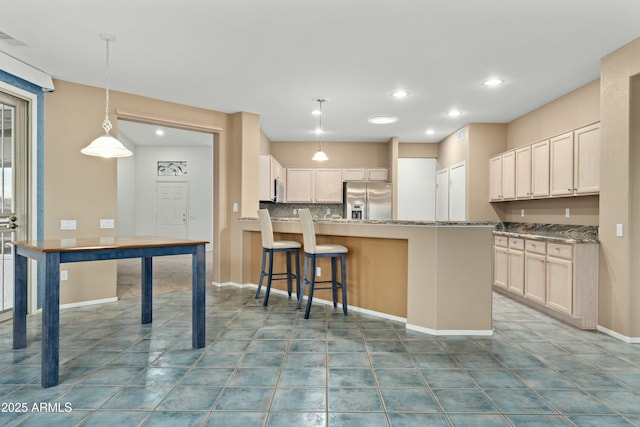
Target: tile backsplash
[318, 210]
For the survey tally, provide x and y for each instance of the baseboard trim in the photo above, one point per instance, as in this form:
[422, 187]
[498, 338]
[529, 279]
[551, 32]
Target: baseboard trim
[85, 303]
[614, 334]
[441, 332]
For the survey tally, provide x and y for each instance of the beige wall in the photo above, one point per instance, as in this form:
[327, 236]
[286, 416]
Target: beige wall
[571, 111]
[413, 150]
[452, 151]
[297, 154]
[85, 188]
[619, 302]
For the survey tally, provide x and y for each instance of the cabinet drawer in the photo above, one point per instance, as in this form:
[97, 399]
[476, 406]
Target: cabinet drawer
[500, 241]
[516, 243]
[536, 247]
[558, 250]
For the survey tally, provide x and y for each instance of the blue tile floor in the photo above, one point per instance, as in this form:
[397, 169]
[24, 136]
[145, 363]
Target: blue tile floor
[270, 367]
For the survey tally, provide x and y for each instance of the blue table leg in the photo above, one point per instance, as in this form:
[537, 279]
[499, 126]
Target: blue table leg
[20, 301]
[198, 277]
[51, 320]
[147, 290]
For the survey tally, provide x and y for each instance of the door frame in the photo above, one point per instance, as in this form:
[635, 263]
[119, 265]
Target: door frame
[33, 209]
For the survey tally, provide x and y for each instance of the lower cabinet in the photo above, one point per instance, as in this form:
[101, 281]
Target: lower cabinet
[556, 278]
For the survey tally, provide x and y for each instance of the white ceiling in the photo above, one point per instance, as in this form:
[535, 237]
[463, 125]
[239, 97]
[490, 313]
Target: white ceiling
[273, 57]
[145, 135]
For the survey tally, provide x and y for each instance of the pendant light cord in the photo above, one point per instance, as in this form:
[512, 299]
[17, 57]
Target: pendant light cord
[106, 125]
[320, 101]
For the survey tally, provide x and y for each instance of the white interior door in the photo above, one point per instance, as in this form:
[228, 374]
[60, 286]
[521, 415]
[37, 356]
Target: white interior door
[171, 209]
[13, 184]
[442, 195]
[457, 192]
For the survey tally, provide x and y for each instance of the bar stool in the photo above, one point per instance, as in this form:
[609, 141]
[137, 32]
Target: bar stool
[269, 246]
[313, 252]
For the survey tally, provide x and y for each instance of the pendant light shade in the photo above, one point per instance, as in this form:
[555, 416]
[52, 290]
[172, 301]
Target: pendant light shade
[320, 155]
[106, 146]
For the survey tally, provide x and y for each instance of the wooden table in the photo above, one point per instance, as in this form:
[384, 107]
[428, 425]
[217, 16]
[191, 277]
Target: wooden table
[51, 253]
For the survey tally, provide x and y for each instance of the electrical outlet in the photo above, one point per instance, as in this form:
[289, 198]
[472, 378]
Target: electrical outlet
[619, 232]
[295, 211]
[328, 211]
[318, 271]
[64, 275]
[107, 223]
[235, 207]
[567, 212]
[68, 224]
[521, 212]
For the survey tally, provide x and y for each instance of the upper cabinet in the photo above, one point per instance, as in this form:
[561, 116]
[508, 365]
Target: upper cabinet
[565, 165]
[361, 174]
[310, 185]
[269, 170]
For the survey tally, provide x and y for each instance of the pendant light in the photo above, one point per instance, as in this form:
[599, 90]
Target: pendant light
[106, 146]
[320, 155]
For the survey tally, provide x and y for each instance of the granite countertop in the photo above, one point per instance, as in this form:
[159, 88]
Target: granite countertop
[555, 233]
[383, 222]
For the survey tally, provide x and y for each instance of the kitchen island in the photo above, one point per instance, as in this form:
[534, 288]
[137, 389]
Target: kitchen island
[436, 276]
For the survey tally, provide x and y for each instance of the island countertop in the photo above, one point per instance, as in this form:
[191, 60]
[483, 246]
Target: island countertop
[435, 276]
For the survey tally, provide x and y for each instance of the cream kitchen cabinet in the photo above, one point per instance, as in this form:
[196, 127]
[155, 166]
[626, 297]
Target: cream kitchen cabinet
[328, 183]
[535, 267]
[502, 178]
[540, 169]
[586, 160]
[269, 169]
[516, 266]
[500, 261]
[377, 174]
[560, 279]
[301, 185]
[561, 165]
[309, 185]
[357, 174]
[523, 172]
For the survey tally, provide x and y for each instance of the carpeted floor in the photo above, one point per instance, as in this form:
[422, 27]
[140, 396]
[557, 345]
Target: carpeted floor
[170, 274]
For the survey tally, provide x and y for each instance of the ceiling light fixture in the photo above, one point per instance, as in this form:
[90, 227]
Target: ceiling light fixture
[400, 93]
[159, 132]
[106, 146]
[454, 113]
[382, 120]
[320, 155]
[430, 132]
[493, 82]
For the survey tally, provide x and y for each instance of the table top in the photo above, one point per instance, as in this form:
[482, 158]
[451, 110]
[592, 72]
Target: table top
[102, 243]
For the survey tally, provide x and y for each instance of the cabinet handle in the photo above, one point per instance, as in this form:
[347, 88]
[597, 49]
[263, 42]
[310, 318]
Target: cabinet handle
[569, 189]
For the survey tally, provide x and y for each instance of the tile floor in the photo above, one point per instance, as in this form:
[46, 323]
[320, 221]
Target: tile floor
[270, 367]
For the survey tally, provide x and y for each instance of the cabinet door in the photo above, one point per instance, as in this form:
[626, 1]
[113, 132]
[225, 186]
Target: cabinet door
[540, 169]
[378, 174]
[515, 281]
[265, 183]
[495, 179]
[535, 277]
[300, 185]
[560, 284]
[500, 267]
[442, 195]
[328, 186]
[561, 154]
[587, 160]
[509, 175]
[353, 175]
[523, 172]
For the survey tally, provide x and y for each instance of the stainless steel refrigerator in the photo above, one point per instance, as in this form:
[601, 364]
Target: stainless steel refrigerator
[367, 200]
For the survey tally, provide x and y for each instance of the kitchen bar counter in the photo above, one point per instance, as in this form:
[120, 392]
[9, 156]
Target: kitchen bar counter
[436, 275]
[554, 233]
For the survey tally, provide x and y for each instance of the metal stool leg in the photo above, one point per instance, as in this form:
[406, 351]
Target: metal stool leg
[298, 274]
[334, 281]
[304, 282]
[266, 295]
[264, 256]
[311, 286]
[288, 255]
[343, 267]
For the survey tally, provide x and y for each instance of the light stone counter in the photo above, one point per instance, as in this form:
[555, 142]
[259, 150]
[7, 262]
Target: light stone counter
[436, 275]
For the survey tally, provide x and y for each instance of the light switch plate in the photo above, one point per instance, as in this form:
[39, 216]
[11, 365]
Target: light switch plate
[68, 224]
[567, 212]
[619, 230]
[64, 275]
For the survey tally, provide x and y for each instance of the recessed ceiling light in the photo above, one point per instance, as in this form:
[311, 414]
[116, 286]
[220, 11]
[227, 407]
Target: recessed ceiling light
[382, 120]
[400, 93]
[493, 82]
[430, 131]
[159, 132]
[316, 112]
[454, 113]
